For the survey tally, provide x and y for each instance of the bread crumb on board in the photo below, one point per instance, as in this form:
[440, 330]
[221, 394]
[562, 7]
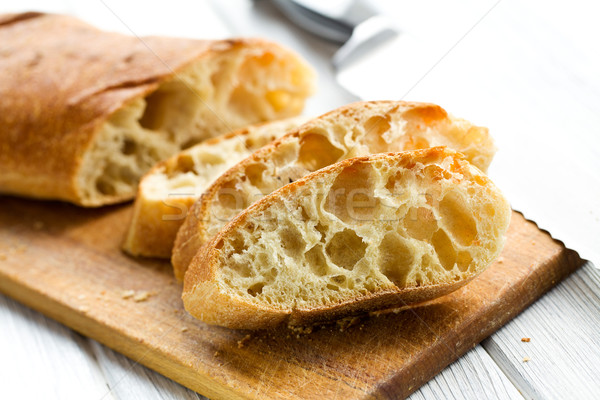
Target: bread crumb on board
[139, 296]
[142, 296]
[184, 329]
[526, 339]
[526, 359]
[242, 342]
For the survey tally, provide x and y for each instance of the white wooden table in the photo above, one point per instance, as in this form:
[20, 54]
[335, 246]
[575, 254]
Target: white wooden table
[40, 358]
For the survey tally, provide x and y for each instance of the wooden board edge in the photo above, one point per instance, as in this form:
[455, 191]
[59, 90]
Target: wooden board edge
[403, 385]
[93, 329]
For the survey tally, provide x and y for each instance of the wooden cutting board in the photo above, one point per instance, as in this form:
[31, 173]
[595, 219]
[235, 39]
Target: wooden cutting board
[65, 262]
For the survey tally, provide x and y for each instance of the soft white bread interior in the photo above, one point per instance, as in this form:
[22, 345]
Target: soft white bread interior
[170, 188]
[247, 82]
[353, 130]
[367, 233]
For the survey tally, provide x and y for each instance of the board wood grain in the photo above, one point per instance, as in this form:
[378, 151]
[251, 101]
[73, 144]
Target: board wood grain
[65, 262]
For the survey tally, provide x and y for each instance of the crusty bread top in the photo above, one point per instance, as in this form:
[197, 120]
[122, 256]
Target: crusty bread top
[61, 80]
[365, 233]
[349, 131]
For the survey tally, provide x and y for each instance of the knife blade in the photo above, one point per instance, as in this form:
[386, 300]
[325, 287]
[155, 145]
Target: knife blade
[520, 72]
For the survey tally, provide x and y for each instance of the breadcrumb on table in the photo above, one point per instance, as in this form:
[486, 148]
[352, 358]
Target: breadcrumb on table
[526, 359]
[525, 339]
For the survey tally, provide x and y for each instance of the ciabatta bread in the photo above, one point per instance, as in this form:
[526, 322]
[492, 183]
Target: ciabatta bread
[364, 234]
[170, 188]
[353, 130]
[85, 113]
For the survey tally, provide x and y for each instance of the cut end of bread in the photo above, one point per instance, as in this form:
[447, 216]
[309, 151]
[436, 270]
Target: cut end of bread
[238, 86]
[367, 233]
[168, 190]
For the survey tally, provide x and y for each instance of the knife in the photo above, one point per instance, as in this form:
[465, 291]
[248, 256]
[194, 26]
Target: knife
[532, 80]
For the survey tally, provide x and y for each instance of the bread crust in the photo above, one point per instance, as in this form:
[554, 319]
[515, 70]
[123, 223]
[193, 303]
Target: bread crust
[193, 233]
[62, 79]
[205, 299]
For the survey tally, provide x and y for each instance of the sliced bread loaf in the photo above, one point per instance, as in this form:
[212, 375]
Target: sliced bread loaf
[367, 233]
[353, 130]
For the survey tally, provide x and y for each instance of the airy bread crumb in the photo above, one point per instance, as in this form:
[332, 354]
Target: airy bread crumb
[367, 233]
[354, 130]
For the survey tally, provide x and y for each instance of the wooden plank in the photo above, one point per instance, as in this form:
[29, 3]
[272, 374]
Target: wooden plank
[563, 351]
[31, 345]
[474, 376]
[65, 261]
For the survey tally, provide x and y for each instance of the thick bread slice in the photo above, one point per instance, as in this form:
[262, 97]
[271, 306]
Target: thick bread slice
[170, 188]
[353, 130]
[85, 113]
[368, 233]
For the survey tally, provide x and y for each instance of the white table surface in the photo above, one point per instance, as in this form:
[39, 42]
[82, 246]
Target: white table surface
[42, 359]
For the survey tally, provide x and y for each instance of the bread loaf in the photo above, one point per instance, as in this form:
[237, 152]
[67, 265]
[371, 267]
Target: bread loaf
[367, 233]
[85, 113]
[170, 188]
[353, 130]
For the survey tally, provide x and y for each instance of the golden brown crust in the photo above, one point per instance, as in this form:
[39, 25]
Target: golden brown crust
[61, 80]
[204, 299]
[193, 233]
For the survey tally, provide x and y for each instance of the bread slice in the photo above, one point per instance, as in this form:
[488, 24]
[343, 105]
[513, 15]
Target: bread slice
[170, 188]
[85, 113]
[367, 233]
[353, 130]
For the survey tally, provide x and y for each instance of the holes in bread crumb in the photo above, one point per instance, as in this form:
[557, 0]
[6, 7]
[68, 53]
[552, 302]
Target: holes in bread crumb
[256, 289]
[129, 146]
[171, 108]
[333, 287]
[464, 260]
[345, 249]
[185, 163]
[316, 151]
[338, 279]
[254, 173]
[291, 241]
[444, 249]
[375, 129]
[238, 244]
[395, 258]
[457, 219]
[351, 197]
[315, 258]
[241, 268]
[420, 223]
[105, 188]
